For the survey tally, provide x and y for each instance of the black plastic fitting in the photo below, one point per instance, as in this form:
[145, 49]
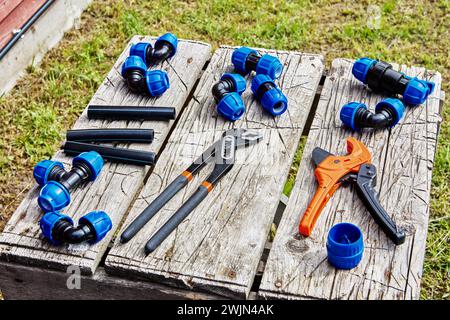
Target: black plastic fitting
[65, 232]
[130, 113]
[165, 47]
[112, 154]
[111, 135]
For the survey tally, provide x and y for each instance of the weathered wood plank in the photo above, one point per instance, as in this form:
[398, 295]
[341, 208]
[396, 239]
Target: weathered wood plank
[117, 185]
[218, 247]
[19, 282]
[297, 266]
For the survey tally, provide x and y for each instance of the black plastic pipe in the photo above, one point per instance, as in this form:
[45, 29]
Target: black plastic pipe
[25, 28]
[112, 154]
[130, 113]
[111, 135]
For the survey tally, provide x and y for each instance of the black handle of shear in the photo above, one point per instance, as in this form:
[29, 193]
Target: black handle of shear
[176, 219]
[176, 185]
[365, 183]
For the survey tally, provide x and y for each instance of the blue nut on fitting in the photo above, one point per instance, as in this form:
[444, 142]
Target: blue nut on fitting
[227, 93]
[269, 95]
[246, 60]
[380, 77]
[165, 47]
[58, 228]
[42, 170]
[388, 113]
[345, 246]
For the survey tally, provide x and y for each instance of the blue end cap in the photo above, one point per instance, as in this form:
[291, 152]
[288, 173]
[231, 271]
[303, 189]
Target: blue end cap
[360, 68]
[417, 91]
[394, 105]
[270, 66]
[133, 63]
[140, 49]
[53, 196]
[345, 246]
[99, 221]
[171, 39]
[348, 113]
[239, 82]
[93, 160]
[239, 57]
[43, 168]
[231, 107]
[157, 82]
[273, 100]
[47, 223]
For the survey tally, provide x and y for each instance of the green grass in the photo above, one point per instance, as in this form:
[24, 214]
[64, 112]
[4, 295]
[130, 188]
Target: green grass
[50, 98]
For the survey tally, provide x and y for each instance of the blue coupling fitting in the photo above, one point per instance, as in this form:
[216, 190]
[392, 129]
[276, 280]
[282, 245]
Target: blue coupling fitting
[227, 93]
[157, 82]
[165, 47]
[269, 95]
[58, 228]
[380, 77]
[246, 60]
[388, 113]
[55, 194]
[345, 246]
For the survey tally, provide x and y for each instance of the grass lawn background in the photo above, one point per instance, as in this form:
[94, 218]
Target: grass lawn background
[47, 101]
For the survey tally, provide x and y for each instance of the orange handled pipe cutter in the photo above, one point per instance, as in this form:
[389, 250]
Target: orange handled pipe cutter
[355, 167]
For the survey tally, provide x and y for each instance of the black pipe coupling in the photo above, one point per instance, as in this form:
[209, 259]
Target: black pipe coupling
[227, 94]
[57, 183]
[388, 113]
[58, 228]
[380, 77]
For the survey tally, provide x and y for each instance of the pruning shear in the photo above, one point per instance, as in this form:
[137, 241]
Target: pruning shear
[355, 167]
[222, 152]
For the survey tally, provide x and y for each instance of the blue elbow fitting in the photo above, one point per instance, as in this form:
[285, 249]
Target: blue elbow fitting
[269, 95]
[227, 93]
[57, 182]
[388, 113]
[139, 80]
[246, 60]
[58, 228]
[380, 77]
[165, 47]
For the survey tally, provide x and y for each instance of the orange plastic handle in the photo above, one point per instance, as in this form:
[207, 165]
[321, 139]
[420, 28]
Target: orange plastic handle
[328, 173]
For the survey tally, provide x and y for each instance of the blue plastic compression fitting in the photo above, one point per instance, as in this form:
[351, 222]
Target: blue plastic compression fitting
[227, 93]
[165, 47]
[246, 60]
[269, 95]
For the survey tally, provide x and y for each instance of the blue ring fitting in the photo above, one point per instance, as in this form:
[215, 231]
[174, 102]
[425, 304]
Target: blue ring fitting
[100, 222]
[273, 100]
[345, 246]
[395, 105]
[157, 82]
[53, 196]
[239, 82]
[171, 39]
[417, 91]
[348, 113]
[231, 107]
[239, 57]
[270, 66]
[361, 67]
[140, 49]
[47, 223]
[93, 160]
[133, 63]
[43, 168]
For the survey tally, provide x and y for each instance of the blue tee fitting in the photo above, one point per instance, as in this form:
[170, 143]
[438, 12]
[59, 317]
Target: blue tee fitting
[246, 60]
[380, 77]
[345, 246]
[139, 80]
[388, 113]
[227, 93]
[58, 228]
[55, 193]
[165, 47]
[269, 95]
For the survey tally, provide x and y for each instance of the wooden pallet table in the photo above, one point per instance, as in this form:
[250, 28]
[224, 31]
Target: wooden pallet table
[222, 249]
